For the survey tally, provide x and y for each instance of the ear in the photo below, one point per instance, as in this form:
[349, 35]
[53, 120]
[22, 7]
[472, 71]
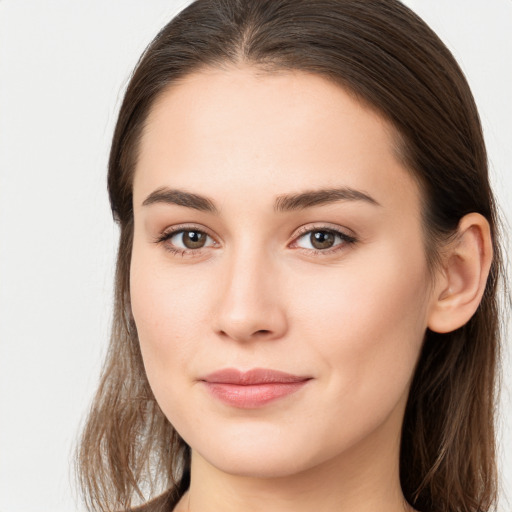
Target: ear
[461, 282]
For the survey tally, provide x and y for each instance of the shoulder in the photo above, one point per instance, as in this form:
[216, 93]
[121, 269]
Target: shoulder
[163, 503]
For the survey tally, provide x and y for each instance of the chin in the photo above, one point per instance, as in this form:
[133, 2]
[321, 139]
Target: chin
[264, 450]
[257, 463]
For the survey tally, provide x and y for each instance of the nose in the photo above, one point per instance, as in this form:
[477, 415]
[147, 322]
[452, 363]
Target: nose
[250, 305]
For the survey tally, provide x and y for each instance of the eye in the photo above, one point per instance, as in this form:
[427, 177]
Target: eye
[189, 239]
[185, 240]
[323, 239]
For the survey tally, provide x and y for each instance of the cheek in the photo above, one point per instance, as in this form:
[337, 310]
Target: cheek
[368, 324]
[165, 307]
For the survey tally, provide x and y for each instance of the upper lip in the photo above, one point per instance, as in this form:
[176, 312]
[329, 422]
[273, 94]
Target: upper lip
[252, 377]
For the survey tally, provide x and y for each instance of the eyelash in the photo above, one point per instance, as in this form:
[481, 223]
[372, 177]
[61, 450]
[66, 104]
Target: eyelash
[345, 240]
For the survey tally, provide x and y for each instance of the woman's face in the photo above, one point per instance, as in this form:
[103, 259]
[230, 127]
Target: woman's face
[277, 230]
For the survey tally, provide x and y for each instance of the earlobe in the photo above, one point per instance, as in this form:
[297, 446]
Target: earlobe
[466, 264]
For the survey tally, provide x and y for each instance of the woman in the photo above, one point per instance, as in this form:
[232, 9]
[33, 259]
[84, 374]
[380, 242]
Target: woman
[306, 293]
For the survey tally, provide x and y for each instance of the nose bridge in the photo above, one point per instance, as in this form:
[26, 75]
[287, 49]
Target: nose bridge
[249, 302]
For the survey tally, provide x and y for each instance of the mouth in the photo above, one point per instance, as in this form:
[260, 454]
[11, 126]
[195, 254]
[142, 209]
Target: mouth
[254, 388]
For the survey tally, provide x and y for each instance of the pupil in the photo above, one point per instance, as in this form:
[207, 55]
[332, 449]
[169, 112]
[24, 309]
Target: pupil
[194, 239]
[322, 239]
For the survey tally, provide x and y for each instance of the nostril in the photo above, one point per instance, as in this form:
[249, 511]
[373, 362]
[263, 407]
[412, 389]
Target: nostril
[262, 331]
[256, 334]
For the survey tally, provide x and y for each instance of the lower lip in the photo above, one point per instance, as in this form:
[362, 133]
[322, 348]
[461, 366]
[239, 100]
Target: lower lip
[252, 396]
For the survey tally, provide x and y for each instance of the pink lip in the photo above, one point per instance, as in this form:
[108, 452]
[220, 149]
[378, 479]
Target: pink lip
[252, 389]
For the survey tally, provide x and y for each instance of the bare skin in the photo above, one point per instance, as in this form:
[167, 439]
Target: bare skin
[337, 291]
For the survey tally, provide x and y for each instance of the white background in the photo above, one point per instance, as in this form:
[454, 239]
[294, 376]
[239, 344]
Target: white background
[63, 67]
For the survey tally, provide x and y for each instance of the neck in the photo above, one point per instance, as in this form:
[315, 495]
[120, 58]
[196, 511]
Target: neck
[362, 479]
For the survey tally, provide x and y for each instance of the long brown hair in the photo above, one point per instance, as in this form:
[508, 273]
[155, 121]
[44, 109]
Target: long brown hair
[392, 61]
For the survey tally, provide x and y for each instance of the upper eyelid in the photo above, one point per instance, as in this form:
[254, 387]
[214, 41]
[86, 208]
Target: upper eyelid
[186, 227]
[325, 227]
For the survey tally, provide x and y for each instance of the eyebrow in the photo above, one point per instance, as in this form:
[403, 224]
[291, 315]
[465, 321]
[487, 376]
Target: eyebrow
[310, 198]
[283, 203]
[181, 198]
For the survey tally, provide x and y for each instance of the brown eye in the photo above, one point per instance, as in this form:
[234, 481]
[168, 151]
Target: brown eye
[322, 239]
[191, 239]
[185, 241]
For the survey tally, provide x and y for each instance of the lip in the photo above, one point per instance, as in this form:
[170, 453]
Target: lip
[253, 388]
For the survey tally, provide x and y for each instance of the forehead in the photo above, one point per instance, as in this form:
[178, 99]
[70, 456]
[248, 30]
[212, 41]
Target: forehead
[237, 128]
